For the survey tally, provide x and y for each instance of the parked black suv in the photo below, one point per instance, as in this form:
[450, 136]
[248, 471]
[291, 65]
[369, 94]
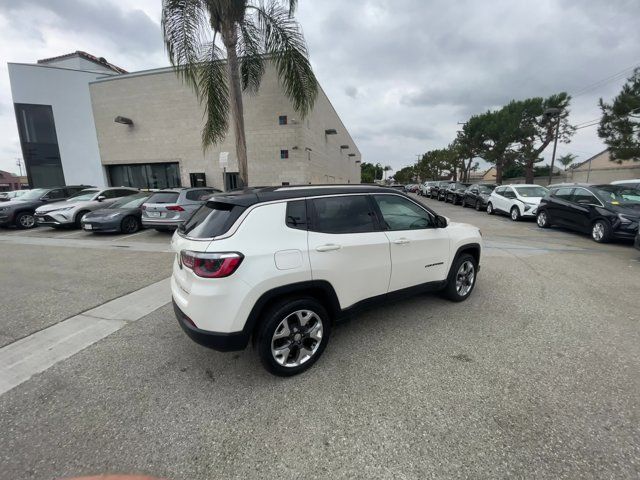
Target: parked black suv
[455, 192]
[442, 191]
[20, 211]
[604, 211]
[477, 196]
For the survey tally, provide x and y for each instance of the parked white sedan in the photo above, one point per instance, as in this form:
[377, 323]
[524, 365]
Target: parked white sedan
[517, 201]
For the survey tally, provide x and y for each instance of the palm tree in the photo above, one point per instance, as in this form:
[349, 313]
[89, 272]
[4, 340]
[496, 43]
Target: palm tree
[567, 159]
[251, 33]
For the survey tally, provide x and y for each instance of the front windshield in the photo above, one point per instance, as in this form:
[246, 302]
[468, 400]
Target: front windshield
[532, 191]
[83, 195]
[132, 201]
[617, 194]
[34, 194]
[486, 188]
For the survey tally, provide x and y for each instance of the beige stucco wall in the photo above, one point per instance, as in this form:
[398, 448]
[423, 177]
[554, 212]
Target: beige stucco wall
[168, 122]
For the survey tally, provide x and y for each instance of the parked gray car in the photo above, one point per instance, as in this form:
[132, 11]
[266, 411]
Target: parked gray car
[168, 209]
[124, 216]
[21, 211]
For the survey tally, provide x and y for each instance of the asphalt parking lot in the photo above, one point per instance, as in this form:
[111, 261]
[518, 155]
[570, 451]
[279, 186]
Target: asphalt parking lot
[535, 376]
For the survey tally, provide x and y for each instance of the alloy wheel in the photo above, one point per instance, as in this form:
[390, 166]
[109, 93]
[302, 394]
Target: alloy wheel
[542, 219]
[27, 221]
[297, 338]
[129, 225]
[515, 214]
[598, 231]
[478, 206]
[464, 278]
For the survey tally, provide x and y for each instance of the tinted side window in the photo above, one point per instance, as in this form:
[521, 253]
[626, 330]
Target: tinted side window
[349, 214]
[125, 193]
[163, 197]
[499, 190]
[398, 213]
[584, 197]
[563, 193]
[297, 214]
[55, 194]
[508, 193]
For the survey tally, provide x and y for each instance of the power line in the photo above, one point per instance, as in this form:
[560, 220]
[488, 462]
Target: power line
[604, 81]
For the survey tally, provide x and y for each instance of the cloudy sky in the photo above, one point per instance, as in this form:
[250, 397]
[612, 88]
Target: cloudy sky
[401, 73]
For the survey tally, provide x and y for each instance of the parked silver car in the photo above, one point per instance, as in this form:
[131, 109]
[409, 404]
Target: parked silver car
[168, 209]
[71, 211]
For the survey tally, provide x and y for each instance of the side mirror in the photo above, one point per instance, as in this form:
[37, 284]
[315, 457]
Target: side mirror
[441, 222]
[101, 198]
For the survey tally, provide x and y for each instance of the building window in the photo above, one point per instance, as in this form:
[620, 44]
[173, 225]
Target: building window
[145, 175]
[282, 119]
[37, 131]
[284, 154]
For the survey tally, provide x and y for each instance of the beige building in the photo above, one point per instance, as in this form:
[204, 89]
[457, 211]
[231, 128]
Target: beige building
[600, 169]
[162, 147]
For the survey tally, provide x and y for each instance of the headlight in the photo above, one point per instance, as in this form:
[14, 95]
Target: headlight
[626, 218]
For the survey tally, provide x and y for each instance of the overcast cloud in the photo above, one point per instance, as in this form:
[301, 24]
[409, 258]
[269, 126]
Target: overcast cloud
[401, 73]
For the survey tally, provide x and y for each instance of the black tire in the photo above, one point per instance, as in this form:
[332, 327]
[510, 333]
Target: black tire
[514, 213]
[129, 224]
[542, 219]
[77, 223]
[464, 202]
[451, 291]
[25, 221]
[478, 206]
[605, 235]
[490, 209]
[272, 319]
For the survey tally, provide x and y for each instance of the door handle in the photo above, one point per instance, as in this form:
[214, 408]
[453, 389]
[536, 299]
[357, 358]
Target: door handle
[329, 247]
[402, 241]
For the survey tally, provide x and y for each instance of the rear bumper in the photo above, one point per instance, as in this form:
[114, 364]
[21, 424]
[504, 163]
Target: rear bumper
[223, 342]
[161, 223]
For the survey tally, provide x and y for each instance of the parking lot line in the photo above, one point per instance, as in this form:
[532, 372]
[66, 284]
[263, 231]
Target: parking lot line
[131, 235]
[20, 360]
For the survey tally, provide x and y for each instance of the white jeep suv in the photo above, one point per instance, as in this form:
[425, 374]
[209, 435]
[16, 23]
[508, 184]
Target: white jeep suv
[279, 265]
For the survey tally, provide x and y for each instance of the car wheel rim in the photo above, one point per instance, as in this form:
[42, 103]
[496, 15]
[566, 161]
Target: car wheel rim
[514, 214]
[598, 231]
[489, 208]
[27, 221]
[297, 338]
[129, 225]
[542, 219]
[465, 277]
[478, 206]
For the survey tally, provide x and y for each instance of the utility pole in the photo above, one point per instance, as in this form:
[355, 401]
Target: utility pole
[555, 145]
[19, 164]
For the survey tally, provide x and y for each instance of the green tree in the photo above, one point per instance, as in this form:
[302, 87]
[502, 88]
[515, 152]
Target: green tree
[535, 127]
[370, 172]
[386, 169]
[620, 123]
[404, 175]
[566, 159]
[495, 132]
[252, 33]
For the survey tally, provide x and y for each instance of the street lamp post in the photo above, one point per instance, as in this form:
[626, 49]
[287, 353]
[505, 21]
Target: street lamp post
[553, 112]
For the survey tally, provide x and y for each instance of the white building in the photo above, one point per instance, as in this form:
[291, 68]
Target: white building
[55, 120]
[67, 109]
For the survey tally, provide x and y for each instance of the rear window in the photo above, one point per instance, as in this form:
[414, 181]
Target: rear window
[164, 197]
[211, 220]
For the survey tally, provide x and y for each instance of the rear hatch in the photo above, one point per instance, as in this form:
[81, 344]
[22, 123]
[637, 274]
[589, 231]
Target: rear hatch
[162, 205]
[213, 219]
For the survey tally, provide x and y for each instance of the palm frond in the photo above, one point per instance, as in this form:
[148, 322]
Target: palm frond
[284, 42]
[251, 58]
[213, 93]
[183, 24]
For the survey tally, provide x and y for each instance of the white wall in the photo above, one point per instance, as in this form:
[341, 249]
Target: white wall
[67, 91]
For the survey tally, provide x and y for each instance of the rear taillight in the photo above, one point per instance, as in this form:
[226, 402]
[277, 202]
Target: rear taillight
[175, 208]
[211, 265]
